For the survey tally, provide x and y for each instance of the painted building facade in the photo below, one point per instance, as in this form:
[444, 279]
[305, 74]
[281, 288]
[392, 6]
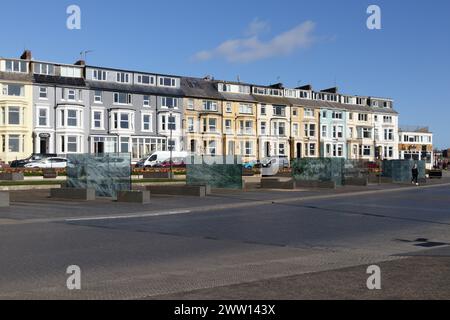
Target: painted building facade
[16, 99]
[416, 143]
[76, 108]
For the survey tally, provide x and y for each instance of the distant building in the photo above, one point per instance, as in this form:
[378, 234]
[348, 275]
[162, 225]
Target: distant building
[416, 143]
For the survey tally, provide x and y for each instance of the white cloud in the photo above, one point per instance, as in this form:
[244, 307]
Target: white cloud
[257, 27]
[251, 48]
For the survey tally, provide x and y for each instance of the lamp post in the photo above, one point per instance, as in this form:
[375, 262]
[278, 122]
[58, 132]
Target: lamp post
[171, 128]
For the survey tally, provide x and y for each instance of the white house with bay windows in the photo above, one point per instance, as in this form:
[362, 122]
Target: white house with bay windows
[70, 133]
[169, 121]
[60, 112]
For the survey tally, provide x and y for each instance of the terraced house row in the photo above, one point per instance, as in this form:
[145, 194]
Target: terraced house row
[48, 107]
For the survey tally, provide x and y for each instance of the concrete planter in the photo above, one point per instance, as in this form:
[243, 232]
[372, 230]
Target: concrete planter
[11, 176]
[277, 183]
[356, 182]
[73, 194]
[179, 190]
[4, 199]
[137, 196]
[315, 184]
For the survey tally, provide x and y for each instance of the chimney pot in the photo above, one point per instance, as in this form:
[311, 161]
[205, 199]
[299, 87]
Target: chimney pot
[26, 55]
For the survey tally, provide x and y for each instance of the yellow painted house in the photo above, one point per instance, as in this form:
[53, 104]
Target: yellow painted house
[239, 119]
[16, 115]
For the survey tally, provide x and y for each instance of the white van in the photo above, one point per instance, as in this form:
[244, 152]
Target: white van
[158, 157]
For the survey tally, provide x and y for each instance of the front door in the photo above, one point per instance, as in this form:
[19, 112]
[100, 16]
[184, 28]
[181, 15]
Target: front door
[299, 150]
[99, 147]
[267, 149]
[43, 146]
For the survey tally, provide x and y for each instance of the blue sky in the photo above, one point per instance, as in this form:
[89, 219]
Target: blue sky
[295, 42]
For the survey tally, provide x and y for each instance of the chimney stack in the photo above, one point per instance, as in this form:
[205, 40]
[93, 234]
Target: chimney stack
[26, 55]
[80, 63]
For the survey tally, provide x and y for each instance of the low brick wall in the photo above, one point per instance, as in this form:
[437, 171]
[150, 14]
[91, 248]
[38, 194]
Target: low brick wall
[11, 176]
[156, 175]
[179, 190]
[73, 194]
[4, 199]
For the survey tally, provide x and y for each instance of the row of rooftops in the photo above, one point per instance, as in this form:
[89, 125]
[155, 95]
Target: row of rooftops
[190, 87]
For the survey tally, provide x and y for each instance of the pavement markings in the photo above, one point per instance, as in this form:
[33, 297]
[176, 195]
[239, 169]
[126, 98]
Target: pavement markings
[130, 216]
[209, 208]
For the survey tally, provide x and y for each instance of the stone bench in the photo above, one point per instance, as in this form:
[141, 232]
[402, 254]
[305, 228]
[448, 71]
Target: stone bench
[4, 199]
[277, 183]
[73, 194]
[180, 190]
[135, 196]
[12, 176]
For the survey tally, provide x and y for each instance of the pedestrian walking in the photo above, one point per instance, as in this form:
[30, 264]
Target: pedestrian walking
[415, 175]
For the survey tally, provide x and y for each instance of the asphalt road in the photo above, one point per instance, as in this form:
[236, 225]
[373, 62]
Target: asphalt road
[229, 245]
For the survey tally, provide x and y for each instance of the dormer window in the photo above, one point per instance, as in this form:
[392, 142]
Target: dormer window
[145, 80]
[16, 66]
[123, 77]
[167, 82]
[99, 75]
[44, 68]
[304, 94]
[70, 72]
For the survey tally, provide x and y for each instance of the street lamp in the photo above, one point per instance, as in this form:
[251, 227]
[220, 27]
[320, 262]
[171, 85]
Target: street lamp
[171, 144]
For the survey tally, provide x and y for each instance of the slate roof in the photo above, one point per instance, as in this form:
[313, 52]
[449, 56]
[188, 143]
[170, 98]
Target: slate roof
[199, 88]
[65, 81]
[136, 89]
[271, 100]
[10, 76]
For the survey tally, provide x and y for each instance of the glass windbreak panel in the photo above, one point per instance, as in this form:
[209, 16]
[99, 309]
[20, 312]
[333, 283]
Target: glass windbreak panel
[216, 171]
[401, 170]
[355, 169]
[106, 173]
[318, 169]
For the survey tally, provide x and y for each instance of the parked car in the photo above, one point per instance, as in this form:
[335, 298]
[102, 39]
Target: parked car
[251, 164]
[159, 157]
[271, 165]
[34, 157]
[54, 163]
[176, 163]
